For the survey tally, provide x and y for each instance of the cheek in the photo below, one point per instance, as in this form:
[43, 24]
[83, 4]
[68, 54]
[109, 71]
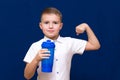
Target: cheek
[44, 30]
[57, 29]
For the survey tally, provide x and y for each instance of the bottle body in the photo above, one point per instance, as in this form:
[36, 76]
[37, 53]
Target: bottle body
[47, 64]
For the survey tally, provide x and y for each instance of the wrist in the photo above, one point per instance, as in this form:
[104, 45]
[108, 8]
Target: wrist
[37, 60]
[86, 26]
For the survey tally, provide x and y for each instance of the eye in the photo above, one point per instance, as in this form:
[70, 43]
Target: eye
[55, 22]
[46, 22]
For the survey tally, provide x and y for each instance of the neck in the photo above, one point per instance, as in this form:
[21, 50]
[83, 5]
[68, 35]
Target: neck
[53, 38]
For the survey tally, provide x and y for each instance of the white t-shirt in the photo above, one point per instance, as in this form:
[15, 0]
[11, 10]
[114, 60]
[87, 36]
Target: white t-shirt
[65, 48]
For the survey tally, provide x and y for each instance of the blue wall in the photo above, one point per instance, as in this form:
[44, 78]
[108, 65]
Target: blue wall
[19, 29]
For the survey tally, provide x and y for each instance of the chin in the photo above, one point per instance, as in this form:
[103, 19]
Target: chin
[50, 36]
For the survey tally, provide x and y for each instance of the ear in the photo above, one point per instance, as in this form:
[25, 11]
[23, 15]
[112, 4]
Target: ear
[40, 25]
[61, 26]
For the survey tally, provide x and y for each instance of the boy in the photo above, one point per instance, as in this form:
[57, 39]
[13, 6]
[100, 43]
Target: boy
[66, 47]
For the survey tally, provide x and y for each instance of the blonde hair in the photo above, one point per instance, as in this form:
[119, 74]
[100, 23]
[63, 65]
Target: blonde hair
[52, 10]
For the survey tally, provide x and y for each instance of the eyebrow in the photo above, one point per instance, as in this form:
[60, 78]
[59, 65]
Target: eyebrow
[52, 21]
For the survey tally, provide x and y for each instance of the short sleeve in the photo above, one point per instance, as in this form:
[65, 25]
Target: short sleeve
[31, 53]
[78, 45]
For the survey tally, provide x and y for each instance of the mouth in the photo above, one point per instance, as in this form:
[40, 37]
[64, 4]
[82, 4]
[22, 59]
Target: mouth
[51, 31]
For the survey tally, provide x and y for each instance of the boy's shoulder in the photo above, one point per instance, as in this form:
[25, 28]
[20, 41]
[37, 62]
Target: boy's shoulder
[38, 43]
[66, 39]
[71, 39]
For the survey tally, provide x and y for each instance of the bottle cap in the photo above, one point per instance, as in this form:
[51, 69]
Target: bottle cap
[48, 44]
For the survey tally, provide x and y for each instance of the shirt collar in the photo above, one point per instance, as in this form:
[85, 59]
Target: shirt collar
[59, 39]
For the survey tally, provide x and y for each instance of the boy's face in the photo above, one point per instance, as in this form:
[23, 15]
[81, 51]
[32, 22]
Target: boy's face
[51, 25]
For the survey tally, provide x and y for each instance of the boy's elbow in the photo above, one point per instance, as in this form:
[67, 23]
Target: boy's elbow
[92, 46]
[27, 76]
[97, 47]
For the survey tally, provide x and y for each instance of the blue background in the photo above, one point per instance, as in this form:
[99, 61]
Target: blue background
[19, 29]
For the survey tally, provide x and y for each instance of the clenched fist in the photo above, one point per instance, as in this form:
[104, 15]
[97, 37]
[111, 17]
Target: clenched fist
[81, 28]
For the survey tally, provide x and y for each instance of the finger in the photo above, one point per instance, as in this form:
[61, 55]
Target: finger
[45, 56]
[48, 52]
[82, 29]
[43, 51]
[77, 32]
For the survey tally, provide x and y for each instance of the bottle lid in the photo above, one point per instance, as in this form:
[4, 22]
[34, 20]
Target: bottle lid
[48, 44]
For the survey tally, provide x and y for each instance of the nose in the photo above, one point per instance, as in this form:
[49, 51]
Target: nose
[51, 25]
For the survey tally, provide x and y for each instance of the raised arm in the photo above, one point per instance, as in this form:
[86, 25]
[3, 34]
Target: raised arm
[92, 43]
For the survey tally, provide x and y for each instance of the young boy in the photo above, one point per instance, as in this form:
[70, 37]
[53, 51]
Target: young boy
[66, 47]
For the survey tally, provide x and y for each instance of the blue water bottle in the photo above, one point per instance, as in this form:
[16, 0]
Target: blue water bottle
[47, 64]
